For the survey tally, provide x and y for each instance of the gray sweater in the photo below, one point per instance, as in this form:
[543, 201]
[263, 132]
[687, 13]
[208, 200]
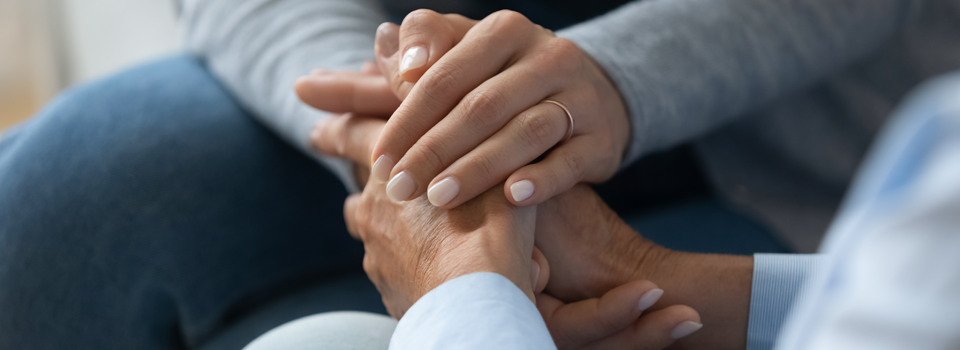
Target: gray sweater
[781, 97]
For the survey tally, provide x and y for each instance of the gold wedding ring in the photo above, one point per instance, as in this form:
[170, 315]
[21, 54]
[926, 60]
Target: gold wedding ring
[569, 116]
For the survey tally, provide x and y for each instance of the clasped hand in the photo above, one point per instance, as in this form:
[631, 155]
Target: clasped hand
[413, 246]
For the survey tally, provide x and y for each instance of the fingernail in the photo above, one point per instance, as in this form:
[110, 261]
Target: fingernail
[381, 168]
[414, 58]
[400, 187]
[521, 190]
[685, 329]
[649, 298]
[387, 39]
[443, 192]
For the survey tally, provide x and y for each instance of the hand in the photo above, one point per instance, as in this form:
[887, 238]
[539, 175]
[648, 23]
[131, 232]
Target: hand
[592, 251]
[610, 321]
[474, 118]
[414, 247]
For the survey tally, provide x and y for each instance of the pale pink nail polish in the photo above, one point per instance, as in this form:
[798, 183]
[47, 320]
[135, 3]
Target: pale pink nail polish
[400, 187]
[521, 190]
[381, 169]
[649, 298]
[443, 192]
[685, 329]
[415, 57]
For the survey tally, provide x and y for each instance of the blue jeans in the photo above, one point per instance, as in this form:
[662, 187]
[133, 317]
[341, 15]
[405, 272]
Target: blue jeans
[148, 210]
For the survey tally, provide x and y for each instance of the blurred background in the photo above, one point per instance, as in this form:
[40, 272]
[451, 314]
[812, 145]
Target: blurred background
[49, 45]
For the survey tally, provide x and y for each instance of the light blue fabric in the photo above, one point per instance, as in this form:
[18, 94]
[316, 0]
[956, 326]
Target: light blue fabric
[893, 276]
[345, 330]
[477, 311]
[777, 282]
[888, 275]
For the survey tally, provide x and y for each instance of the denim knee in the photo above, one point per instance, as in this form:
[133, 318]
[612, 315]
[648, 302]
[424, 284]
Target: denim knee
[148, 204]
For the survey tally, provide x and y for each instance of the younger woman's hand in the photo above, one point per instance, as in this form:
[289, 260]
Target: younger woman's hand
[473, 113]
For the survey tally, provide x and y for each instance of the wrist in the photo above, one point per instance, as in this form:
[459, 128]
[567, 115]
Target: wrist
[717, 286]
[482, 251]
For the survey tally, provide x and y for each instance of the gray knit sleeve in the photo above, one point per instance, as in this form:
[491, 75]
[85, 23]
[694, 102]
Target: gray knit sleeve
[687, 66]
[258, 48]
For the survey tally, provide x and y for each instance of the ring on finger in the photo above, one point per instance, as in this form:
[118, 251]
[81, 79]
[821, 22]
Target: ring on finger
[569, 117]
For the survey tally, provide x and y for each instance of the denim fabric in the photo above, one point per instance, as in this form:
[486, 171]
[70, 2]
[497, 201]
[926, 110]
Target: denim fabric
[149, 211]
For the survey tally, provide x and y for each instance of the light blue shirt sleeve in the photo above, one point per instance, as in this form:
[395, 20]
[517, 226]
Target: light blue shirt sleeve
[477, 311]
[778, 281]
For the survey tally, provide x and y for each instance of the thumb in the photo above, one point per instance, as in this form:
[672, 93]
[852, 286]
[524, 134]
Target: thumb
[407, 51]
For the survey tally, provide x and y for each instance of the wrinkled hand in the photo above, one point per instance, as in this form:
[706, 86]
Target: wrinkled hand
[413, 247]
[474, 118]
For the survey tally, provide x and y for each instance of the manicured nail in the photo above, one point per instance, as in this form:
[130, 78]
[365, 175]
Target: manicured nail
[443, 192]
[685, 329]
[388, 39]
[400, 187]
[649, 298]
[414, 58]
[381, 169]
[521, 190]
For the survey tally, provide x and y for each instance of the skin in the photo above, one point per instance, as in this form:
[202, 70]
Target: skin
[413, 247]
[591, 250]
[474, 113]
[593, 255]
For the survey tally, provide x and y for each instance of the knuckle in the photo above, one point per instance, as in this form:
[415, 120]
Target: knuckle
[368, 265]
[420, 19]
[575, 164]
[441, 81]
[563, 54]
[507, 21]
[486, 107]
[428, 155]
[608, 326]
[483, 167]
[535, 130]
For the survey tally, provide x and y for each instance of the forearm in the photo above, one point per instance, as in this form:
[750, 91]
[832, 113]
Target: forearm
[686, 66]
[717, 286]
[258, 48]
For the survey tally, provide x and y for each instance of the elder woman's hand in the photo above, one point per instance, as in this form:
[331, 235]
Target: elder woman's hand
[475, 116]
